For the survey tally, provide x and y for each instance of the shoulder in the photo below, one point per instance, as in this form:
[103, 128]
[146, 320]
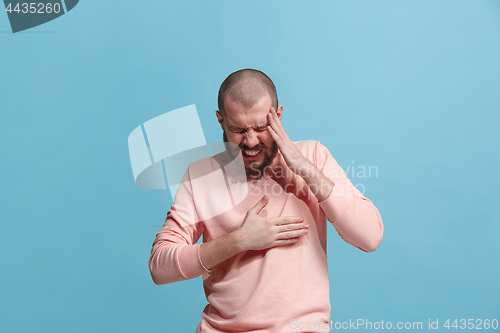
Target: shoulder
[207, 165]
[310, 148]
[306, 145]
[201, 167]
[316, 153]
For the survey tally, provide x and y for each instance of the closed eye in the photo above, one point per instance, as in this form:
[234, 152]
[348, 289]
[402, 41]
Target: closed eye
[242, 131]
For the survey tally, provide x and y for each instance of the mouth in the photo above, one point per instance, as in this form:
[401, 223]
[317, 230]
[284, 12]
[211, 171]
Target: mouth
[252, 155]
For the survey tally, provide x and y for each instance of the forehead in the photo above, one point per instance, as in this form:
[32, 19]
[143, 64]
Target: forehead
[237, 115]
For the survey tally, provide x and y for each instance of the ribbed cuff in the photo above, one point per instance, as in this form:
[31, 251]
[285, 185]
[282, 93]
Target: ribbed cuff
[201, 263]
[189, 261]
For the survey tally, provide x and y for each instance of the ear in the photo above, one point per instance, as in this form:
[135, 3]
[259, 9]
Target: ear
[279, 112]
[219, 119]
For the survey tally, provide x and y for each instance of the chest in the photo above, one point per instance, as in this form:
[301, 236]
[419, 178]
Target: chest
[223, 208]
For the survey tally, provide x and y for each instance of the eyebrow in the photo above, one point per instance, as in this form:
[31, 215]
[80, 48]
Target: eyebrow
[236, 128]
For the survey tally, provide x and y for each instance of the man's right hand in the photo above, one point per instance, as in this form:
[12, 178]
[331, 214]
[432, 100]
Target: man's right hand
[258, 233]
[255, 233]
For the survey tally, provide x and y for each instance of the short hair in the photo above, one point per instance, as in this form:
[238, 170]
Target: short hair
[246, 87]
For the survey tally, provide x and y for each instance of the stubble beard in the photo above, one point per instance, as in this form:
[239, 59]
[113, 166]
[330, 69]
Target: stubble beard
[255, 172]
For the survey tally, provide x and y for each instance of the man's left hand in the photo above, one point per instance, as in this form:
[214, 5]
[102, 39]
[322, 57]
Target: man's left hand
[293, 157]
[320, 185]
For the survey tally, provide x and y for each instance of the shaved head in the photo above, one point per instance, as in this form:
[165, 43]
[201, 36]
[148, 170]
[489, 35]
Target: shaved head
[246, 87]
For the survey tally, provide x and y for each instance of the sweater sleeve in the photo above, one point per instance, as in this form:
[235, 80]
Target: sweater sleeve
[354, 216]
[174, 256]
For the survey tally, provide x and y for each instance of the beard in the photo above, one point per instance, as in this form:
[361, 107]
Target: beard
[255, 171]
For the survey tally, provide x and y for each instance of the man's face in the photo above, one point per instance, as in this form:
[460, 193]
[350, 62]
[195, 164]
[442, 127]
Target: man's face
[247, 128]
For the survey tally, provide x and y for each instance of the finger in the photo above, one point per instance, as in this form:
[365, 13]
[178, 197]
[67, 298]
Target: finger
[273, 119]
[291, 227]
[274, 112]
[285, 220]
[276, 119]
[270, 120]
[273, 133]
[292, 234]
[276, 125]
[259, 206]
[286, 241]
[273, 129]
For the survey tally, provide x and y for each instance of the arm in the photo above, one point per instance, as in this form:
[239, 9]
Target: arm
[174, 255]
[354, 216]
[175, 258]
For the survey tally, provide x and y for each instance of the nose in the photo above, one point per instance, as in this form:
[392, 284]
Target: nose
[251, 140]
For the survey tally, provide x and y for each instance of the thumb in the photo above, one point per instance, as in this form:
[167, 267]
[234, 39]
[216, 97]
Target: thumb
[260, 205]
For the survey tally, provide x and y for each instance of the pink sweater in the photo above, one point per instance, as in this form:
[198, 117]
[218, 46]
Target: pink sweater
[282, 289]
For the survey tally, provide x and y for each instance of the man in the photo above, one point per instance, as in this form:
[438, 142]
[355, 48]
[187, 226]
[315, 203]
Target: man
[264, 262]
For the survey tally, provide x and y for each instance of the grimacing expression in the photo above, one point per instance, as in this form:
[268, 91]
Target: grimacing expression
[247, 128]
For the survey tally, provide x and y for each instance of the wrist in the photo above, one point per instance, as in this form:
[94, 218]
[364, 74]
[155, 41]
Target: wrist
[238, 241]
[304, 169]
[319, 184]
[218, 250]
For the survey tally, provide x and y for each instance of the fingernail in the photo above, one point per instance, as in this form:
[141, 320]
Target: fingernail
[306, 226]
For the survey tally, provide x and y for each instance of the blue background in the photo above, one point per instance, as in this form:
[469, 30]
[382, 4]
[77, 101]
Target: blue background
[411, 87]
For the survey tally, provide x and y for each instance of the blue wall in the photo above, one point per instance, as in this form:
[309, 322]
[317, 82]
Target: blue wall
[409, 87]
